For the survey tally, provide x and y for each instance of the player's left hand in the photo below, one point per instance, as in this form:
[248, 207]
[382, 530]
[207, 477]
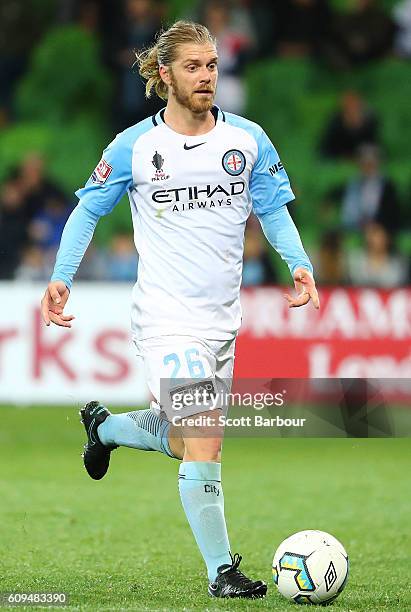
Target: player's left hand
[306, 290]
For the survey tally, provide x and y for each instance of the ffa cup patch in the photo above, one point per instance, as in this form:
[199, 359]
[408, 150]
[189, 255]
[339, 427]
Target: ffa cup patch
[158, 163]
[233, 162]
[102, 172]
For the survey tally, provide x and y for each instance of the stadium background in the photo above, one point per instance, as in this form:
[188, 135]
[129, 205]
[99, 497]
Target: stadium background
[65, 89]
[329, 81]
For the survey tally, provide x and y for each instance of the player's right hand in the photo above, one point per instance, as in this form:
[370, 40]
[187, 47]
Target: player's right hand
[53, 303]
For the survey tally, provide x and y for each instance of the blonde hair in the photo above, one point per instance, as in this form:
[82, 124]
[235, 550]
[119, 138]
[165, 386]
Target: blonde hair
[164, 52]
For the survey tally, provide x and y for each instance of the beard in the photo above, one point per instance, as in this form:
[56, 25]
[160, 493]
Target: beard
[196, 103]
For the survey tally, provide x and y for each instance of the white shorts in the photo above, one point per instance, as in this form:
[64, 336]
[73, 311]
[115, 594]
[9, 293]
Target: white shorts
[175, 363]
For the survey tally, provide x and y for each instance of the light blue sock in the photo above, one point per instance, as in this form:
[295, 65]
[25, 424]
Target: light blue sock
[140, 429]
[202, 497]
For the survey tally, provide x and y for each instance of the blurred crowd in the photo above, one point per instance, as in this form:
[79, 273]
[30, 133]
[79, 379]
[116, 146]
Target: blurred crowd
[33, 209]
[33, 212]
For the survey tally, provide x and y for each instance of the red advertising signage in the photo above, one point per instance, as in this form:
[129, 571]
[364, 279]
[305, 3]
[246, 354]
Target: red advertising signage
[357, 333]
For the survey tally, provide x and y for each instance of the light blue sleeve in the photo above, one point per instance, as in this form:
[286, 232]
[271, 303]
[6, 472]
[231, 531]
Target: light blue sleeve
[106, 186]
[281, 233]
[269, 184]
[75, 239]
[111, 178]
[108, 183]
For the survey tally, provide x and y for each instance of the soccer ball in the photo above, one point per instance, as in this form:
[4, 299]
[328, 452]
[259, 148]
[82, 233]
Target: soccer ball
[310, 567]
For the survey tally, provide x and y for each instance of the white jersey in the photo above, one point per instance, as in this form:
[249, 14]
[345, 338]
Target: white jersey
[190, 198]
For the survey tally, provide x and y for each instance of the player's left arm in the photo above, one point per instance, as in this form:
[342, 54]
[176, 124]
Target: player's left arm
[271, 192]
[282, 234]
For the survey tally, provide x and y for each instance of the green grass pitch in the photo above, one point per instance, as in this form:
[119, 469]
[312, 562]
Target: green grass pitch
[124, 544]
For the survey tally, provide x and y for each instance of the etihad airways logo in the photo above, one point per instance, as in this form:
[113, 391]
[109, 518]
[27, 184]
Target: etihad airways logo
[193, 196]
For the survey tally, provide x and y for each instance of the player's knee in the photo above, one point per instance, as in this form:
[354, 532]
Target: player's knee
[213, 447]
[202, 449]
[203, 442]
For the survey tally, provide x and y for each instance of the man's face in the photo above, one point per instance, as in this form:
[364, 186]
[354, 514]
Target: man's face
[193, 77]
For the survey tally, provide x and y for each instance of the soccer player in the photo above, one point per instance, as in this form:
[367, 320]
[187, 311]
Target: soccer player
[193, 173]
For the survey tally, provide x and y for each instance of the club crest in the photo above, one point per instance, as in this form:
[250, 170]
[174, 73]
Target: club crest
[233, 162]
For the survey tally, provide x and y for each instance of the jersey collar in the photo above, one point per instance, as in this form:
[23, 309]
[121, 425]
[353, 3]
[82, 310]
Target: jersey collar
[218, 115]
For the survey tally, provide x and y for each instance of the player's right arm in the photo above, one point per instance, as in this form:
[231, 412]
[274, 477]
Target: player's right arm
[104, 189]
